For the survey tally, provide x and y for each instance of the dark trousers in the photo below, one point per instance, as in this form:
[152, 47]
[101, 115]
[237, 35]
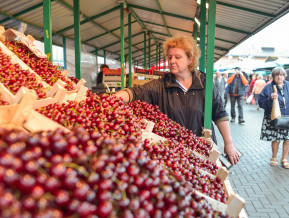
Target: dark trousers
[239, 100]
[256, 96]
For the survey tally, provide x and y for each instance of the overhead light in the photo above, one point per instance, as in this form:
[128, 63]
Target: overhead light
[199, 2]
[198, 39]
[197, 21]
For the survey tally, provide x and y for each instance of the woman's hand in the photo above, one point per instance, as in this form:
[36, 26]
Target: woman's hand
[232, 153]
[274, 96]
[229, 149]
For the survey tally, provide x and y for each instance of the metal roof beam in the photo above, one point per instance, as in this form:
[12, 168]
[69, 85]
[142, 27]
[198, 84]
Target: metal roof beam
[100, 35]
[89, 19]
[24, 11]
[114, 43]
[141, 54]
[164, 20]
[139, 21]
[163, 34]
[157, 11]
[134, 45]
[185, 18]
[187, 31]
[245, 9]
[232, 29]
[39, 27]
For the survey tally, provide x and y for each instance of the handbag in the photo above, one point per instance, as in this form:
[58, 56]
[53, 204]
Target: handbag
[282, 123]
[276, 112]
[249, 99]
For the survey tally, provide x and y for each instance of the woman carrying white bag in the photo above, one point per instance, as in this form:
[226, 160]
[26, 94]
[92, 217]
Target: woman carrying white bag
[280, 98]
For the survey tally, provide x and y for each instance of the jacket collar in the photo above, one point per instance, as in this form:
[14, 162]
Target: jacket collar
[199, 80]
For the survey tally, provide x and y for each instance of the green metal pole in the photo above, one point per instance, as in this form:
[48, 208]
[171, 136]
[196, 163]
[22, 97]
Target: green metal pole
[160, 58]
[145, 49]
[104, 56]
[129, 52]
[64, 52]
[96, 60]
[210, 64]
[156, 56]
[122, 43]
[195, 31]
[47, 28]
[203, 35]
[149, 53]
[77, 39]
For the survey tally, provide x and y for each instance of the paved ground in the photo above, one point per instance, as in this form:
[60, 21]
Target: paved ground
[265, 188]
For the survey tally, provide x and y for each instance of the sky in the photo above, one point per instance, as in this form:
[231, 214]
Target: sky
[275, 35]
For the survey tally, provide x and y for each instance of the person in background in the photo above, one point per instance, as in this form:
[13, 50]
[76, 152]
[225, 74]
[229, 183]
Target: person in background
[181, 93]
[269, 79]
[237, 88]
[226, 93]
[258, 87]
[220, 83]
[251, 86]
[268, 131]
[100, 74]
[287, 76]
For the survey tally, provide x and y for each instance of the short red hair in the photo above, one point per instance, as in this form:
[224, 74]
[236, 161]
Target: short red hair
[188, 45]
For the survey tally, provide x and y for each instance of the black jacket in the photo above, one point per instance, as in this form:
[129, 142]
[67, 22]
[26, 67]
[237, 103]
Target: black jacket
[187, 109]
[99, 77]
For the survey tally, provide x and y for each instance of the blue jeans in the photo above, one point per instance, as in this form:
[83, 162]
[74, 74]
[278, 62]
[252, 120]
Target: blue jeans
[256, 96]
[239, 100]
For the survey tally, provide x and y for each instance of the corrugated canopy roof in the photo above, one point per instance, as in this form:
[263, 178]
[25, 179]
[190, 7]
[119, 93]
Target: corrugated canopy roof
[100, 21]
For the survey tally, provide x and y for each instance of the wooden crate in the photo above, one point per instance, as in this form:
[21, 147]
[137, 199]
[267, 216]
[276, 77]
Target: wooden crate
[140, 79]
[112, 80]
[23, 116]
[234, 206]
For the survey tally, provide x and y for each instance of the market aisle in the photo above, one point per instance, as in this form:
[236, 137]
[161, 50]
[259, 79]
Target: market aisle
[265, 188]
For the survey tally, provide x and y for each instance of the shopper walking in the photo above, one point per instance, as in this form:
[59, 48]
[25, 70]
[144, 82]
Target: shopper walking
[258, 87]
[252, 83]
[180, 93]
[268, 131]
[220, 83]
[237, 87]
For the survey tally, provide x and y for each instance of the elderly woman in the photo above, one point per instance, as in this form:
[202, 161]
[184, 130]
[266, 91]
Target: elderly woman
[268, 131]
[180, 94]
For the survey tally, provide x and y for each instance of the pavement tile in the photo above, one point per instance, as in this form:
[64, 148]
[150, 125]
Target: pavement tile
[273, 215]
[257, 215]
[258, 205]
[264, 201]
[250, 208]
[264, 188]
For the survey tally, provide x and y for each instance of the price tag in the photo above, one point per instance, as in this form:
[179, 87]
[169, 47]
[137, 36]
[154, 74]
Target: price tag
[12, 34]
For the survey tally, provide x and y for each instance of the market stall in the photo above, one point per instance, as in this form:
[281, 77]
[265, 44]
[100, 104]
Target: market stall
[89, 154]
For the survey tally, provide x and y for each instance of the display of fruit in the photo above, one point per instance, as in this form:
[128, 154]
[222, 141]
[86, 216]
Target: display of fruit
[13, 77]
[180, 161]
[88, 174]
[169, 129]
[42, 66]
[109, 115]
[105, 113]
